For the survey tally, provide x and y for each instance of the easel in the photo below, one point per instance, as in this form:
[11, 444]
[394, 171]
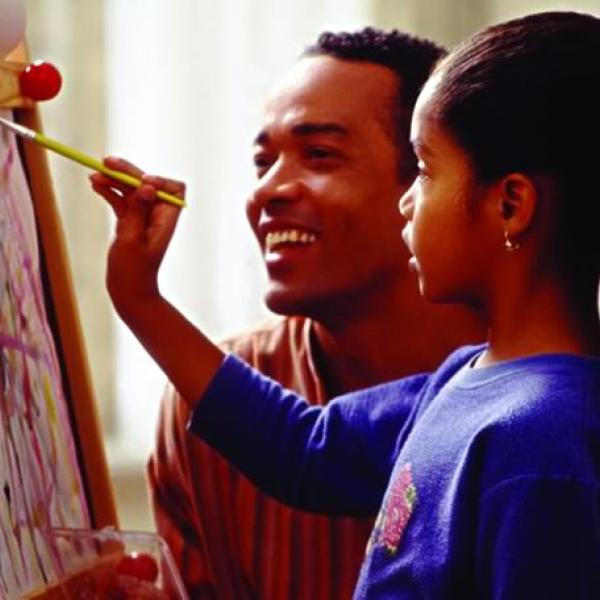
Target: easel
[61, 309]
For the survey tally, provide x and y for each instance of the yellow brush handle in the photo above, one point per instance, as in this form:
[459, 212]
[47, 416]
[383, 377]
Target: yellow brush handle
[96, 165]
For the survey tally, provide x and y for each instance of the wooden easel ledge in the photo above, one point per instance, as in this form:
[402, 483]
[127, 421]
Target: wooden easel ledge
[10, 88]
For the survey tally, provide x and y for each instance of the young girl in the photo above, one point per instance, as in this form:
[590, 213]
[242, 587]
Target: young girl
[486, 473]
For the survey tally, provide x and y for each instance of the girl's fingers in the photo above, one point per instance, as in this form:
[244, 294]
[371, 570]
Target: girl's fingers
[100, 180]
[120, 164]
[138, 214]
[177, 188]
[112, 196]
[103, 181]
[130, 206]
[144, 193]
[161, 226]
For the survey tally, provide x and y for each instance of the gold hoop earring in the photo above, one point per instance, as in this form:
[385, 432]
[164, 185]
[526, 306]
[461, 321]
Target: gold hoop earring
[510, 245]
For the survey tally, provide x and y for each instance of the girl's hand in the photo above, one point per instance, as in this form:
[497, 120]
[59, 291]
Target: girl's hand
[144, 229]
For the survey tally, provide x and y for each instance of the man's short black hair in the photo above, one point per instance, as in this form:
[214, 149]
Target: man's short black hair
[411, 58]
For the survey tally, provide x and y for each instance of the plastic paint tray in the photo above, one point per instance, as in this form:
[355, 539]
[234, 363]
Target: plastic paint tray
[104, 564]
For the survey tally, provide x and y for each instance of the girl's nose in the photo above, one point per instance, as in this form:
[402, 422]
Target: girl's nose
[406, 204]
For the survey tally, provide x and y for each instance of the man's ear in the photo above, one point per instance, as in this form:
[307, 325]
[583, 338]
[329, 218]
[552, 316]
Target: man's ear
[517, 203]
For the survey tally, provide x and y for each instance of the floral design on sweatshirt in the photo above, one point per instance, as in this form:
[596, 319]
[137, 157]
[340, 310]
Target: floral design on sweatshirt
[398, 505]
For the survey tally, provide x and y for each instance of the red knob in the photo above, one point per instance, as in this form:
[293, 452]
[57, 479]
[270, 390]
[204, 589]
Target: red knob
[40, 81]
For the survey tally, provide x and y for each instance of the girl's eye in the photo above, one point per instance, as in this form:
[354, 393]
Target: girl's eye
[422, 172]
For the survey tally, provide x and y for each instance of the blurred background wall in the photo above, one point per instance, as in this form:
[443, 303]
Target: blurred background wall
[177, 87]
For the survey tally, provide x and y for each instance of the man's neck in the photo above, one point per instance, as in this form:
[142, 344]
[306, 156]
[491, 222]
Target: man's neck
[387, 337]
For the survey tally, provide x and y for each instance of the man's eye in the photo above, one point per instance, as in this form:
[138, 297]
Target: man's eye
[261, 163]
[318, 152]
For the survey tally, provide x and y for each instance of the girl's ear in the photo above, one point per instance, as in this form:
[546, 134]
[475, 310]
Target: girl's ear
[517, 204]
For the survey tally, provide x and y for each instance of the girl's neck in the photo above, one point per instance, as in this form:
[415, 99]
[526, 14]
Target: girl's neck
[543, 319]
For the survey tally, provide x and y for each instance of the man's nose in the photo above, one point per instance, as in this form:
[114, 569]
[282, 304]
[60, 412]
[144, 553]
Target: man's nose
[280, 184]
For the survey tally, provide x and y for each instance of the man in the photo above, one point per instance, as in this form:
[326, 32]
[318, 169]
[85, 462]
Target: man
[332, 159]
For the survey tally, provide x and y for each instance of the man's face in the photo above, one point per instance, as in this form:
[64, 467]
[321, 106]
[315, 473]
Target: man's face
[324, 209]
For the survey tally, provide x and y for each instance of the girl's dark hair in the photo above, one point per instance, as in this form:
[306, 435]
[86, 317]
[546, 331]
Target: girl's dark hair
[524, 96]
[411, 58]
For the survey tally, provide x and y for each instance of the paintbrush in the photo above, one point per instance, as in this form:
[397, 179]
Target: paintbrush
[83, 159]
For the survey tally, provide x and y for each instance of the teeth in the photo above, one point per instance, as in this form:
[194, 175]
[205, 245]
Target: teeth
[288, 236]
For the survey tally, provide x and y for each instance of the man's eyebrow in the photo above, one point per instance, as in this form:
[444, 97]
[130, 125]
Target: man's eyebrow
[306, 129]
[309, 128]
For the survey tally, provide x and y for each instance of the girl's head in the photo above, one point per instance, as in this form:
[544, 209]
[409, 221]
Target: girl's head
[521, 102]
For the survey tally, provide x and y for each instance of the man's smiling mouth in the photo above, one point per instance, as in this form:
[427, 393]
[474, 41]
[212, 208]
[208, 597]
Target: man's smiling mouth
[274, 239]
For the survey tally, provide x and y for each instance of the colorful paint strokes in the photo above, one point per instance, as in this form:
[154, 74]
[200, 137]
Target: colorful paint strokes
[40, 482]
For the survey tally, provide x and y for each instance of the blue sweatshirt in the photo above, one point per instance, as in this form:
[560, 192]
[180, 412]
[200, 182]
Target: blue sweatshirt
[486, 481]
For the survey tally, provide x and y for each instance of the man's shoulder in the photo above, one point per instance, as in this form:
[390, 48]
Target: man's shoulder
[276, 346]
[281, 349]
[271, 336]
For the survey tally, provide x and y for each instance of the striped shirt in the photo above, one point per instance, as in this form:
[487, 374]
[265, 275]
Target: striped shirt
[229, 541]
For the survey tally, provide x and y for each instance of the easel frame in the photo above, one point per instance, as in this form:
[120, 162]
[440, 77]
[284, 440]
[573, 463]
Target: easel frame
[64, 317]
